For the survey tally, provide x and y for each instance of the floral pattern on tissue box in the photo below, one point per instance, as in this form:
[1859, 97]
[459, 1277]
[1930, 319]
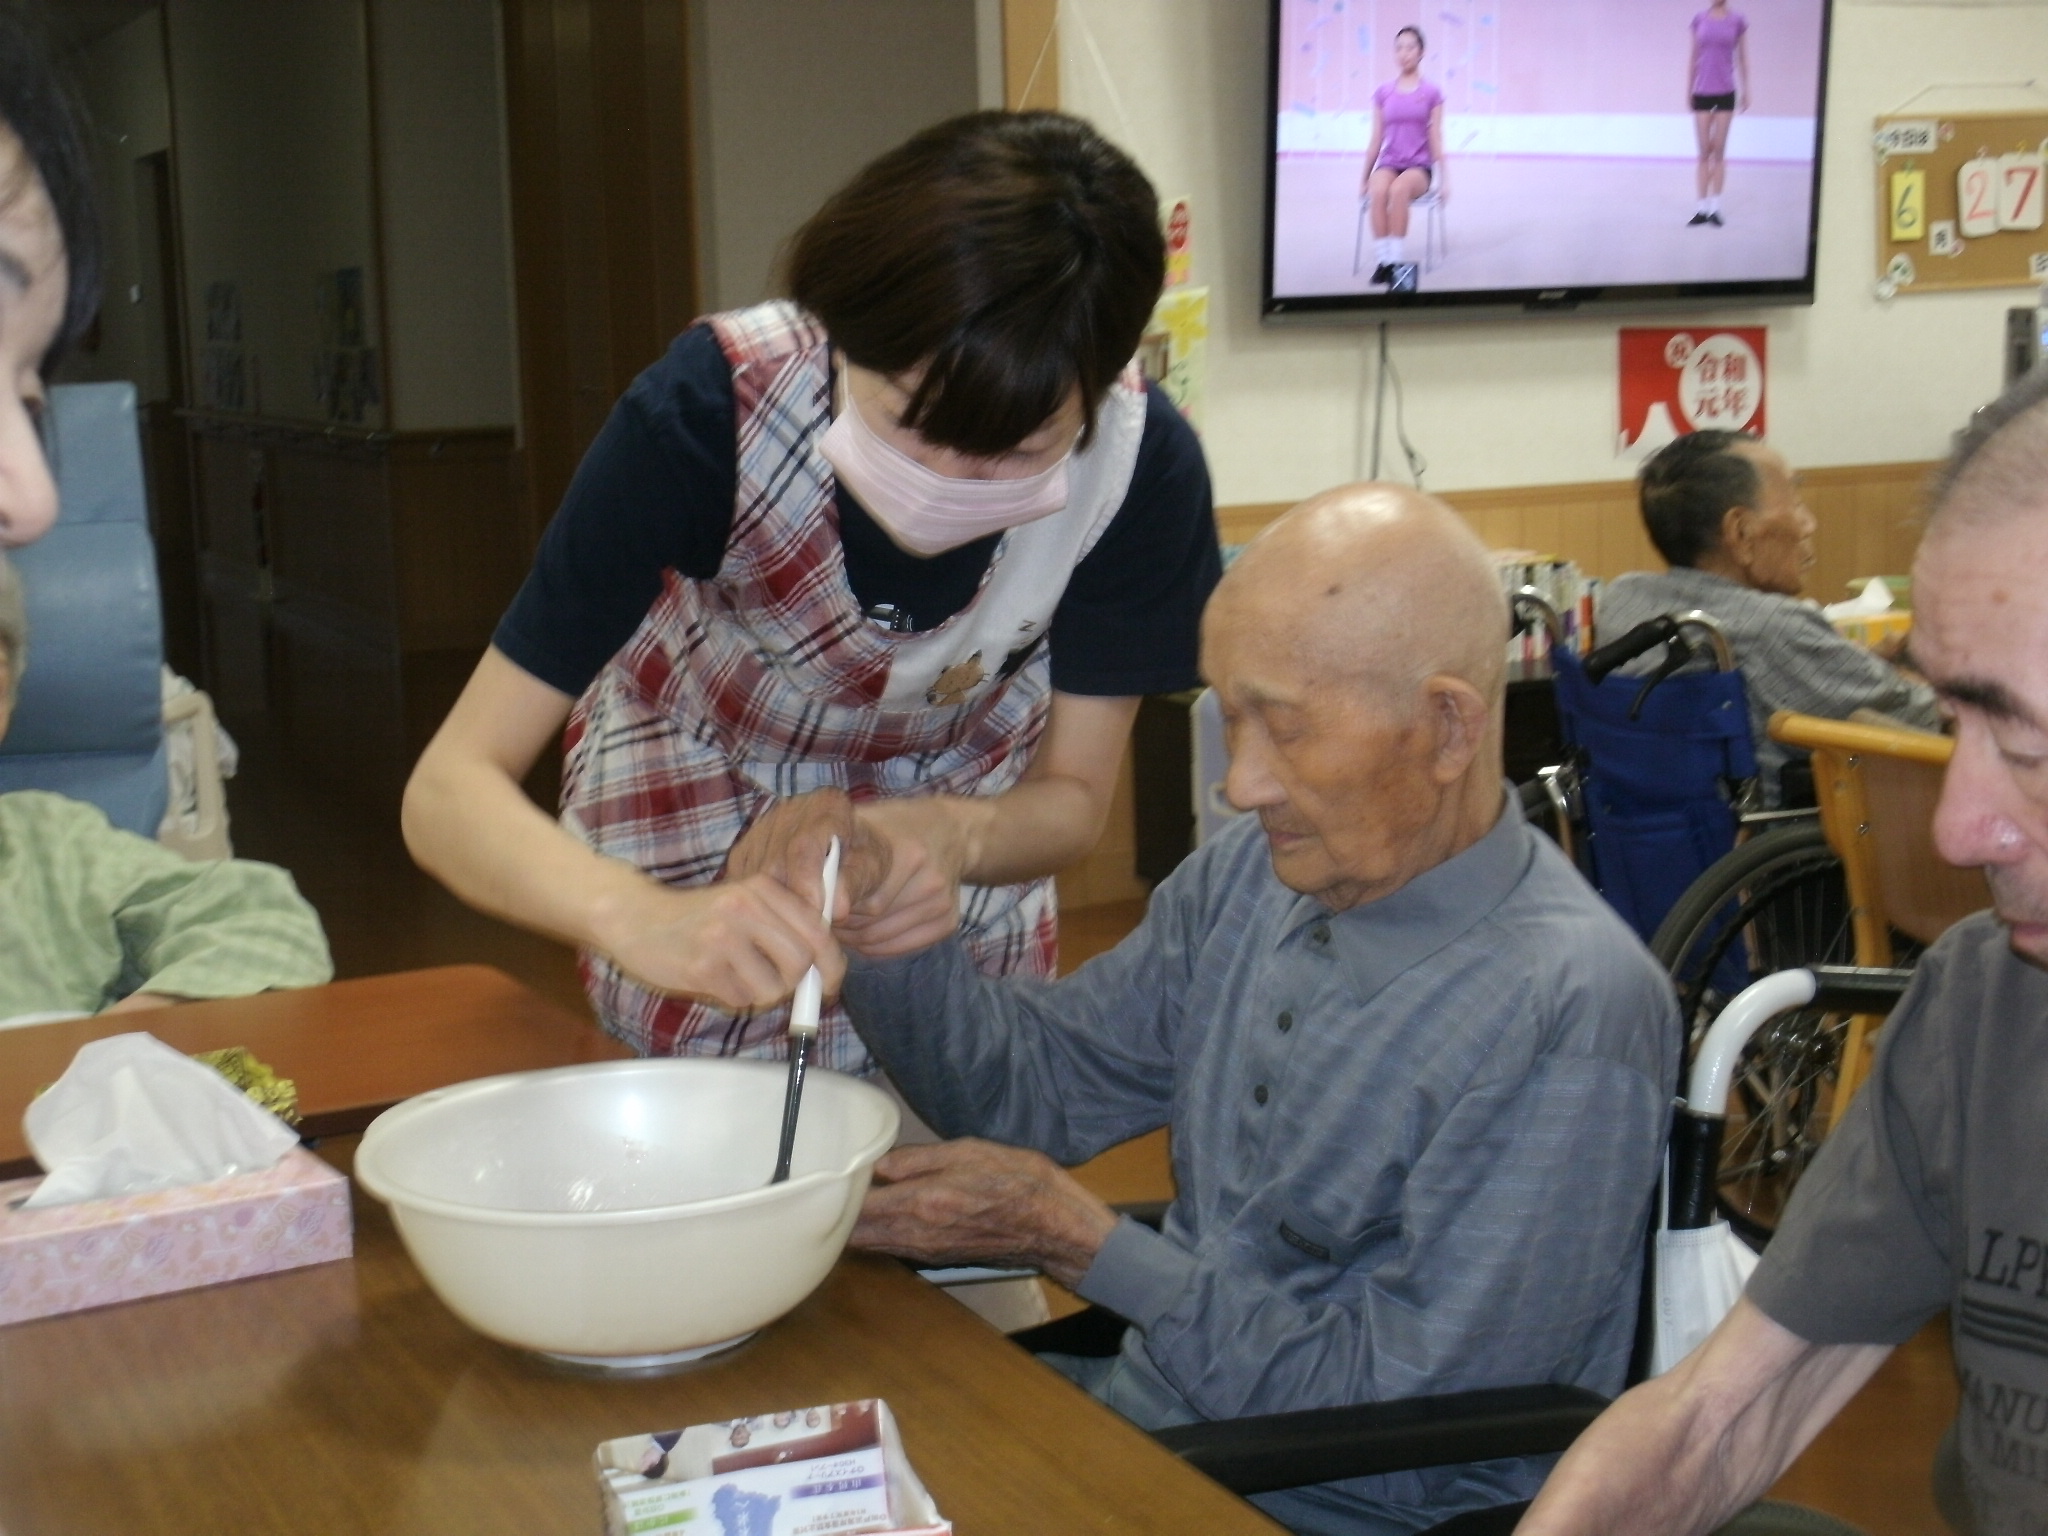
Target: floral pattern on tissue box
[69, 1257]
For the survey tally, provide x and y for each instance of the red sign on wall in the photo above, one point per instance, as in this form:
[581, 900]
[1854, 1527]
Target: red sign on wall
[1677, 381]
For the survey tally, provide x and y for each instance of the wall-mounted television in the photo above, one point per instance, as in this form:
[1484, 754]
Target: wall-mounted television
[1546, 154]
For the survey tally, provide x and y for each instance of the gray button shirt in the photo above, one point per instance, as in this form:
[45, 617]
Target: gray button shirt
[1790, 656]
[1414, 1142]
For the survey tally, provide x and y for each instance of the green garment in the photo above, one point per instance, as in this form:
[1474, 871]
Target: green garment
[89, 914]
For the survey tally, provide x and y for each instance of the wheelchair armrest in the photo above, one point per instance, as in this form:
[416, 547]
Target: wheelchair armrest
[1858, 988]
[1146, 1213]
[1321, 1445]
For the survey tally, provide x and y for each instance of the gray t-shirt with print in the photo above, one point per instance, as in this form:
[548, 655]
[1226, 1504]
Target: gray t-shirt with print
[1932, 1193]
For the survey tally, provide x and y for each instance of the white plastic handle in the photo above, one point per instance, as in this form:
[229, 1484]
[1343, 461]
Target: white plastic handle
[1713, 1069]
[810, 992]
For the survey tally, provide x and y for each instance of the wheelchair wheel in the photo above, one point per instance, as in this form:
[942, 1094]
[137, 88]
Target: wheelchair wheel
[1776, 902]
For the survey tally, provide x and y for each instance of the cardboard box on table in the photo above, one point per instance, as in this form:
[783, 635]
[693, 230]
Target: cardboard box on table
[65, 1258]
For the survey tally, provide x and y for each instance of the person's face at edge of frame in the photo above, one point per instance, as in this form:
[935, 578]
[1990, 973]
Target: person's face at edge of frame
[1338, 771]
[1407, 53]
[33, 280]
[883, 400]
[1777, 542]
[1980, 636]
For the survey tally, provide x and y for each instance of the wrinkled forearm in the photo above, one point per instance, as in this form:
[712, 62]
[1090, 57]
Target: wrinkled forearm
[1067, 1067]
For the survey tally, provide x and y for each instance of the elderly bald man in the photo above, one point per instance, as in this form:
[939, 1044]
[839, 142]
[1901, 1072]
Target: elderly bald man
[1929, 1195]
[1416, 1071]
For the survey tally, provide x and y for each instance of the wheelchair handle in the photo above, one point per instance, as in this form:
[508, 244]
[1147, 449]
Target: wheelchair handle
[1646, 636]
[1681, 630]
[1528, 606]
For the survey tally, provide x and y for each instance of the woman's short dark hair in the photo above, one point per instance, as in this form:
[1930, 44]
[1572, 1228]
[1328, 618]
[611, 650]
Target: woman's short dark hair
[45, 116]
[1687, 488]
[1416, 33]
[1016, 255]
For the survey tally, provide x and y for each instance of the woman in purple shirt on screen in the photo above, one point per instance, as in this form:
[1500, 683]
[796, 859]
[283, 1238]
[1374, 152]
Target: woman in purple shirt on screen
[1718, 75]
[1405, 159]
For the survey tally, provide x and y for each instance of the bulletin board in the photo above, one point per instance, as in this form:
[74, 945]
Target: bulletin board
[1960, 200]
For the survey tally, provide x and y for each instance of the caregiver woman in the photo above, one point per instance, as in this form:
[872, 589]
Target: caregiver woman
[893, 558]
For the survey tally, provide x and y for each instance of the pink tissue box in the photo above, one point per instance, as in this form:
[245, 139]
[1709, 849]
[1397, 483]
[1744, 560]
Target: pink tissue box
[70, 1257]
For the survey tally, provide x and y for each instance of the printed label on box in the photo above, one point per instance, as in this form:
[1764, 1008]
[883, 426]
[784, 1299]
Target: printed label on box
[834, 1470]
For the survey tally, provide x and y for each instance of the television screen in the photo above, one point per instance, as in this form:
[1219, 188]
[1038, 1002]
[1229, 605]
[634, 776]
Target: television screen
[1455, 154]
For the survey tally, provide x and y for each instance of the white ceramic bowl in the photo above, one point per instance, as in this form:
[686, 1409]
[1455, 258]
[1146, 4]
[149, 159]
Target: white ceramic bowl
[620, 1212]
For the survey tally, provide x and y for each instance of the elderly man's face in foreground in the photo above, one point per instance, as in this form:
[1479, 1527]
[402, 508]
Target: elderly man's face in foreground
[1980, 634]
[1337, 767]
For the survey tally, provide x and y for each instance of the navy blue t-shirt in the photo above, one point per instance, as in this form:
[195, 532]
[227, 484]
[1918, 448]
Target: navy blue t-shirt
[655, 493]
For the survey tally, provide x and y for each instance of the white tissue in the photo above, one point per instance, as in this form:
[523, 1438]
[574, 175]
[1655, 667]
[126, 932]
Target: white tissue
[131, 1114]
[1875, 598]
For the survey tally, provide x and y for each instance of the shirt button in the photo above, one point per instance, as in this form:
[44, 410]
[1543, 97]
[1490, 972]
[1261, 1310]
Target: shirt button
[1320, 933]
[1286, 1022]
[1259, 1094]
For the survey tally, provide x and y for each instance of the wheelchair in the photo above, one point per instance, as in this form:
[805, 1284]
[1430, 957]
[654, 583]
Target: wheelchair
[1265, 1453]
[1658, 802]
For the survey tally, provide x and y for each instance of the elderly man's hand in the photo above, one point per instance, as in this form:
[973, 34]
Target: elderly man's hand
[974, 1202]
[917, 901]
[789, 840]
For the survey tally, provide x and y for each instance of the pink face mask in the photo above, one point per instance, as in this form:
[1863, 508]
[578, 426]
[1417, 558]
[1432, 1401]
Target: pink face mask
[924, 511]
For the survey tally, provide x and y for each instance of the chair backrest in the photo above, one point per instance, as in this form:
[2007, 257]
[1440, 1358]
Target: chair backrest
[1877, 786]
[1658, 778]
[88, 721]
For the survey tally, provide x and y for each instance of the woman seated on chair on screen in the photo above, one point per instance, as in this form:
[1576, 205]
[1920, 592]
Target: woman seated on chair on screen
[1405, 160]
[1725, 510]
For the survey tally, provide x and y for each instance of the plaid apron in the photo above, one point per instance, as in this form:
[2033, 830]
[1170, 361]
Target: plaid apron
[768, 681]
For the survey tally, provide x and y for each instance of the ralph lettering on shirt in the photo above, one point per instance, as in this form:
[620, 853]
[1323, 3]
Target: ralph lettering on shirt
[2012, 1261]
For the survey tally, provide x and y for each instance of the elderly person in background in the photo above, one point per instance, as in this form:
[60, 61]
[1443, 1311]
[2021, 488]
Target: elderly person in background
[1725, 511]
[93, 918]
[1928, 1195]
[1415, 1070]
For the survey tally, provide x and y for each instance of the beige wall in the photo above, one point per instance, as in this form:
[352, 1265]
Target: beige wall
[793, 97]
[272, 110]
[440, 125]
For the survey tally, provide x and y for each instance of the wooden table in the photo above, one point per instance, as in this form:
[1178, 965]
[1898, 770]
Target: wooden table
[344, 1398]
[354, 1048]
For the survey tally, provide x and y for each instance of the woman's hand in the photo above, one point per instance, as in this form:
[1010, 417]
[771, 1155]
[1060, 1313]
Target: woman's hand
[900, 863]
[740, 944]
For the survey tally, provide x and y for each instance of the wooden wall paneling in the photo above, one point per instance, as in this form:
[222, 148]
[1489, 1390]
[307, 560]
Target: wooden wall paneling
[1865, 514]
[603, 222]
[229, 524]
[1031, 54]
[460, 549]
[337, 697]
[331, 516]
[167, 467]
[547, 442]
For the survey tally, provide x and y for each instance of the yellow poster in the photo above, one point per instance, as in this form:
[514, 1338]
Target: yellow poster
[1174, 347]
[1909, 205]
